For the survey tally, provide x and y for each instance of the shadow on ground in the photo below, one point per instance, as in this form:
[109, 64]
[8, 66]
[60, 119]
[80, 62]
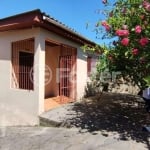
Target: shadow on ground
[109, 112]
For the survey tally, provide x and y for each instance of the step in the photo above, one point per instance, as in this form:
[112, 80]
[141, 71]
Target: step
[58, 117]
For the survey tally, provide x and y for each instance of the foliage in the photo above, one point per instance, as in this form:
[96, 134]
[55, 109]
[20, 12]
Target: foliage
[147, 80]
[129, 23]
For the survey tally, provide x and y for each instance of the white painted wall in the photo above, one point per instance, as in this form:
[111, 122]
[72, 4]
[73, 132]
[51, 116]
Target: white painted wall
[17, 106]
[81, 73]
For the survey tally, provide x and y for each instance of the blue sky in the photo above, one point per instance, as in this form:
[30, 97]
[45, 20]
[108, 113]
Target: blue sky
[74, 13]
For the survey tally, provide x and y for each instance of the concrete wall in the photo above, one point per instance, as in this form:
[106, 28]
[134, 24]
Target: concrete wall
[81, 73]
[18, 106]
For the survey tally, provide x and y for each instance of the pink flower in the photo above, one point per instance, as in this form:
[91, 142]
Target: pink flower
[122, 32]
[106, 25]
[138, 29]
[135, 51]
[146, 5]
[143, 41]
[107, 28]
[125, 41]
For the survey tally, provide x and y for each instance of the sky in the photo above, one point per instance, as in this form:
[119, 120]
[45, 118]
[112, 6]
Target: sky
[74, 13]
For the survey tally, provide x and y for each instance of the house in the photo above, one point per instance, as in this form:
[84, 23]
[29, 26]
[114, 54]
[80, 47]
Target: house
[39, 58]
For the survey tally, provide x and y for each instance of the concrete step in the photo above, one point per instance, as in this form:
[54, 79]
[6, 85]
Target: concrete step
[58, 117]
[49, 123]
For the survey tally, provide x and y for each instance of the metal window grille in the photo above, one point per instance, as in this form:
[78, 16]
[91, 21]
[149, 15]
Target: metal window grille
[89, 67]
[25, 70]
[22, 64]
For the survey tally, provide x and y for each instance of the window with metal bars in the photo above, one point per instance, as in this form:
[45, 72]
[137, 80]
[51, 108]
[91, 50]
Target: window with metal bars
[25, 70]
[89, 61]
[22, 64]
[91, 65]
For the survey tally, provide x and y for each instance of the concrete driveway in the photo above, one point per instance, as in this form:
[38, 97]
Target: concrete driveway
[48, 138]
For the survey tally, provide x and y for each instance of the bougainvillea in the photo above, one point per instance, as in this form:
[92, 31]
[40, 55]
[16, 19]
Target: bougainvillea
[128, 21]
[138, 29]
[125, 41]
[135, 51]
[106, 25]
[144, 41]
[120, 32]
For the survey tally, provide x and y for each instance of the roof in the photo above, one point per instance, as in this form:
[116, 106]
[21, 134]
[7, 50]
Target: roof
[36, 18]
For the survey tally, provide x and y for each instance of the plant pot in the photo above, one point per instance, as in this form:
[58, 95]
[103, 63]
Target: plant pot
[146, 93]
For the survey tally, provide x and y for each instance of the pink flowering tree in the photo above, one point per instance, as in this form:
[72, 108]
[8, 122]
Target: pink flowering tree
[129, 22]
